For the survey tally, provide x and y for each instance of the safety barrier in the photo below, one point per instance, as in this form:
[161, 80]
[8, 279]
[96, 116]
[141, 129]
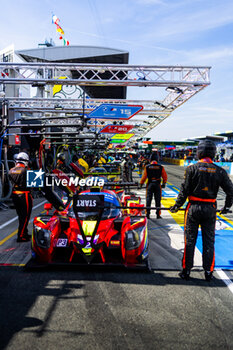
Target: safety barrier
[225, 165]
[228, 166]
[179, 162]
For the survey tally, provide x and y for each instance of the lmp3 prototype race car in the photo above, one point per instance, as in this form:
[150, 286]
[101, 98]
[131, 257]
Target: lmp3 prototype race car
[93, 228]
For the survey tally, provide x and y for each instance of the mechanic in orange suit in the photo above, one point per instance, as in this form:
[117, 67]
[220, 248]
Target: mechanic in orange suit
[154, 172]
[21, 195]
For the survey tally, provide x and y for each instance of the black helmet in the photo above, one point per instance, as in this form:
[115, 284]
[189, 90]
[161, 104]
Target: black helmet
[206, 148]
[153, 157]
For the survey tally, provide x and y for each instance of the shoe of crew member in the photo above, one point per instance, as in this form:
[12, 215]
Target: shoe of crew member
[208, 276]
[185, 274]
[25, 238]
[148, 215]
[159, 217]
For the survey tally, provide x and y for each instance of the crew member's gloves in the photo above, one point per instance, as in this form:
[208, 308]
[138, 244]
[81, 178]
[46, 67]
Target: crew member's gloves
[224, 210]
[174, 209]
[163, 185]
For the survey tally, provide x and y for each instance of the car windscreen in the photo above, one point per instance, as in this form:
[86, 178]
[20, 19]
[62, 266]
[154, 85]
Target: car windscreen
[109, 212]
[110, 206]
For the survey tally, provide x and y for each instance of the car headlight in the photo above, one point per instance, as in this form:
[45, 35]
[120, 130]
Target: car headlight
[133, 238]
[42, 237]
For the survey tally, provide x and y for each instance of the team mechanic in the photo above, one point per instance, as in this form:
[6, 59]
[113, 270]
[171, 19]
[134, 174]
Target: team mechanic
[21, 196]
[201, 184]
[154, 172]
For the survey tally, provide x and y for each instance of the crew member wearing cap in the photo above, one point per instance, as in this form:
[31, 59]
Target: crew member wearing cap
[154, 172]
[201, 184]
[21, 196]
[61, 162]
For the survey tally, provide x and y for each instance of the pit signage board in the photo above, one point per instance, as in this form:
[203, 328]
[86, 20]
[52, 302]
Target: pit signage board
[120, 146]
[122, 136]
[118, 141]
[116, 129]
[17, 140]
[115, 111]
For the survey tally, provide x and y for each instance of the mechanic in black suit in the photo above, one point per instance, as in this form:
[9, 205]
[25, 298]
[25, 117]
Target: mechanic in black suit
[201, 183]
[154, 172]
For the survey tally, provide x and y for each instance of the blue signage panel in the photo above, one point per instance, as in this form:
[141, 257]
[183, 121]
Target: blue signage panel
[113, 111]
[225, 165]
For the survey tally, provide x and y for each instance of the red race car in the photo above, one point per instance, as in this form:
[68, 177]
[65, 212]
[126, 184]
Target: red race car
[92, 229]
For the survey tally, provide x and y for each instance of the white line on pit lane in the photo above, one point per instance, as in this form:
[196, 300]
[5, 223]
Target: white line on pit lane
[228, 282]
[16, 217]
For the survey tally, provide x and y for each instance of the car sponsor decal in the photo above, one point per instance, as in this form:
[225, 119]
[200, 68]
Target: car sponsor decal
[115, 243]
[62, 242]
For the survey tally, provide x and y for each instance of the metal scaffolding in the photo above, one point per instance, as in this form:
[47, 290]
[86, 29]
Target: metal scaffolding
[180, 83]
[92, 74]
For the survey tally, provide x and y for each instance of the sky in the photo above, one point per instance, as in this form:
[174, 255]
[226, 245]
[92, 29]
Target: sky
[154, 32]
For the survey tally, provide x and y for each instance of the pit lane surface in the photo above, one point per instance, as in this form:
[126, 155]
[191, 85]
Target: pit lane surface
[113, 309]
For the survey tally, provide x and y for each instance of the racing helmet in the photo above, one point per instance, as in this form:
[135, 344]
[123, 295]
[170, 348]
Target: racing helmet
[206, 148]
[22, 157]
[61, 157]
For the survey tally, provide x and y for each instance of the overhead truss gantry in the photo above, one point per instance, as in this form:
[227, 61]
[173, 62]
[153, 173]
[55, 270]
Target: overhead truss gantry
[180, 83]
[91, 74]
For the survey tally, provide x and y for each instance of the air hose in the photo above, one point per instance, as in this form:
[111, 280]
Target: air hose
[2, 199]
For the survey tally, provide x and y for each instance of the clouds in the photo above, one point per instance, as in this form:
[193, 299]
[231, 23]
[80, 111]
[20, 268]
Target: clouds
[213, 55]
[179, 24]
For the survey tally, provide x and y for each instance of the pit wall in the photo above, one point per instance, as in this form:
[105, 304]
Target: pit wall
[228, 166]
[179, 162]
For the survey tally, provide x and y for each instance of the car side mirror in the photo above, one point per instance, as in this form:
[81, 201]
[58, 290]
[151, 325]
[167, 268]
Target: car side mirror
[48, 207]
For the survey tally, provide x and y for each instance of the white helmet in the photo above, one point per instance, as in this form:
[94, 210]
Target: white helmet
[22, 157]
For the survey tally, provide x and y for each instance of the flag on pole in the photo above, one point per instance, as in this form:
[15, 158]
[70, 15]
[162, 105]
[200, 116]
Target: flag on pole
[56, 20]
[60, 30]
